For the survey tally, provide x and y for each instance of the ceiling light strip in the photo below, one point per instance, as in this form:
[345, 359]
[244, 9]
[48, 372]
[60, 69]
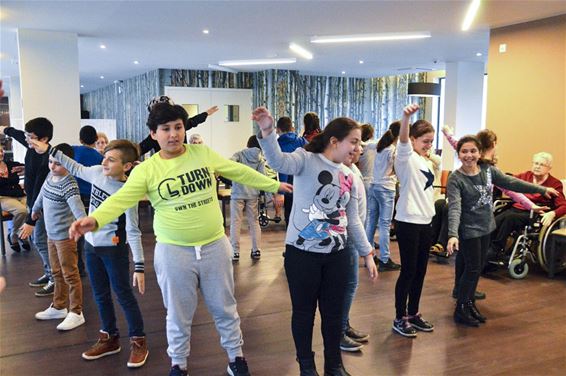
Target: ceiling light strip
[470, 14]
[236, 63]
[302, 52]
[369, 37]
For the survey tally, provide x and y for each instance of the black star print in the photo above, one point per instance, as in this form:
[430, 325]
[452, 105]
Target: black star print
[429, 178]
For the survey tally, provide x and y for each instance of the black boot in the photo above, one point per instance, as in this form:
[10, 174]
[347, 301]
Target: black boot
[336, 371]
[307, 366]
[475, 312]
[462, 315]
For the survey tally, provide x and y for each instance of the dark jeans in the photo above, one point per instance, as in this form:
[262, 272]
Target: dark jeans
[506, 222]
[112, 268]
[287, 205]
[317, 278]
[414, 243]
[81, 241]
[440, 223]
[469, 264]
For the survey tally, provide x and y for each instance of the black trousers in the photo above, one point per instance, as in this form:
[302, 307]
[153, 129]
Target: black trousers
[506, 222]
[469, 264]
[414, 244]
[440, 223]
[317, 278]
[287, 206]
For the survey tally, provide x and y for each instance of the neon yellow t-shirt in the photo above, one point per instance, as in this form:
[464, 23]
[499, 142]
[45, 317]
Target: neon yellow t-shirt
[182, 191]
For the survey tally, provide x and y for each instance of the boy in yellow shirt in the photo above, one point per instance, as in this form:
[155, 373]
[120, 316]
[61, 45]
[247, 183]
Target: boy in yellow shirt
[192, 250]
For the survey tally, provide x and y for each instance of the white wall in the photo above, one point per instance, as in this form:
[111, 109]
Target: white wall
[225, 138]
[49, 76]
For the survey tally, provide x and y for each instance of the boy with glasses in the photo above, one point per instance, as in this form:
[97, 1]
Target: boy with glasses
[37, 168]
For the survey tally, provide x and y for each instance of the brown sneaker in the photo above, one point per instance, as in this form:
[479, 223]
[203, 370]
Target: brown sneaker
[106, 345]
[138, 352]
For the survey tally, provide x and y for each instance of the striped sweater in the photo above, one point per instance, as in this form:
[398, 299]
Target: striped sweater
[61, 204]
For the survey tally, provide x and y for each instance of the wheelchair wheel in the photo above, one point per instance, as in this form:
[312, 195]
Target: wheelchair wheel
[263, 220]
[518, 269]
[544, 246]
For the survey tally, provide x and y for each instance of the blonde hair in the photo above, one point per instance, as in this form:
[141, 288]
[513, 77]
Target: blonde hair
[102, 135]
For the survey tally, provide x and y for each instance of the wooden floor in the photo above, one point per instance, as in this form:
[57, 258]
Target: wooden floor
[525, 334]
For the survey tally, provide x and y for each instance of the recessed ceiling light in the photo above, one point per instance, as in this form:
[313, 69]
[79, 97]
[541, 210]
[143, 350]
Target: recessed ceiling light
[103, 46]
[343, 72]
[369, 37]
[205, 31]
[82, 86]
[102, 77]
[361, 61]
[470, 14]
[235, 63]
[302, 52]
[136, 62]
[479, 54]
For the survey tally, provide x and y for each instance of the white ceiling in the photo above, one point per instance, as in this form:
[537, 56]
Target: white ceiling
[168, 34]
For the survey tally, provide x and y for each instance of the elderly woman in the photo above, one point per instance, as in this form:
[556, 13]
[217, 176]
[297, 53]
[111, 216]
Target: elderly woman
[517, 216]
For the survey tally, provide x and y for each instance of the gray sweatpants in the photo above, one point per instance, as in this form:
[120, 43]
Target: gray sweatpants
[237, 206]
[180, 272]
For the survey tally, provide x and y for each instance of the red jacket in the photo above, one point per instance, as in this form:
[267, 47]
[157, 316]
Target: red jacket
[558, 203]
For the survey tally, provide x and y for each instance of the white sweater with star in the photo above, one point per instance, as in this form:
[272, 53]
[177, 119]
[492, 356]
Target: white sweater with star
[416, 191]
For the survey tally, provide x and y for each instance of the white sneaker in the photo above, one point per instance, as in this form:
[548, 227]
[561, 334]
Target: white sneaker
[51, 313]
[71, 321]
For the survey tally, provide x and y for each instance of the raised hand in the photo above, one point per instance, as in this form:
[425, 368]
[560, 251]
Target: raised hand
[410, 109]
[81, 227]
[263, 118]
[212, 110]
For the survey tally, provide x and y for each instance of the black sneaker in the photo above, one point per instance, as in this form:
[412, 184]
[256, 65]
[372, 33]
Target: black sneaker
[356, 335]
[14, 245]
[255, 255]
[348, 344]
[388, 266]
[478, 295]
[404, 328]
[421, 324]
[238, 367]
[40, 282]
[47, 290]
[236, 257]
[177, 371]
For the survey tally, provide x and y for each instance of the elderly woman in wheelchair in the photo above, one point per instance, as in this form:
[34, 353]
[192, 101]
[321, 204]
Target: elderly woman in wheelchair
[524, 232]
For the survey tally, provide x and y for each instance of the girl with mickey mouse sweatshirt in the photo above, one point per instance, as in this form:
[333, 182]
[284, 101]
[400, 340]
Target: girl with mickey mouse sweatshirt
[324, 216]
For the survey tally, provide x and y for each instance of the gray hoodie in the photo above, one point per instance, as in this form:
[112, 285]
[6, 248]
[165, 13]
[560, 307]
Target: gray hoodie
[251, 157]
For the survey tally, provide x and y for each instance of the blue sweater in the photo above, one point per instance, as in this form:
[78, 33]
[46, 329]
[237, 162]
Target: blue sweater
[86, 156]
[289, 142]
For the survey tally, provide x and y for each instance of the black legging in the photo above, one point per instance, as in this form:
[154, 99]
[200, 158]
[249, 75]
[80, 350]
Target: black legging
[440, 223]
[317, 278]
[469, 264]
[414, 244]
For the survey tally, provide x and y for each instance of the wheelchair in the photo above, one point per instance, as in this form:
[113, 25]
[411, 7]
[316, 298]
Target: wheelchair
[263, 216]
[532, 244]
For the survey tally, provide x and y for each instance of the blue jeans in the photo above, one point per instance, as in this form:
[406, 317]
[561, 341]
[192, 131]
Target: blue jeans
[112, 268]
[351, 283]
[39, 239]
[381, 202]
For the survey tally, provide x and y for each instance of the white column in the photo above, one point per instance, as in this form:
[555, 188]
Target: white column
[462, 103]
[49, 77]
[16, 116]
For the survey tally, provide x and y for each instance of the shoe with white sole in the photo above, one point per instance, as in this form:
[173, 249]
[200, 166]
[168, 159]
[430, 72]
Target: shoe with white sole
[71, 321]
[51, 313]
